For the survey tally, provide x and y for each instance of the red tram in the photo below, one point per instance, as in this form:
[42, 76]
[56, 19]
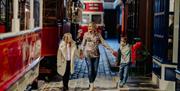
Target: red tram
[92, 12]
[20, 43]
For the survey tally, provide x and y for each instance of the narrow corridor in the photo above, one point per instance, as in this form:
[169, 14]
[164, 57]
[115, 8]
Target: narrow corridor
[106, 79]
[32, 30]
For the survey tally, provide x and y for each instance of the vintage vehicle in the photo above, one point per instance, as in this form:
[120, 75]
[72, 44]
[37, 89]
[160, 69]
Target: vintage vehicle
[20, 43]
[92, 12]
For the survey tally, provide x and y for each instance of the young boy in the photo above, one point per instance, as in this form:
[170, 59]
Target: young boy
[124, 61]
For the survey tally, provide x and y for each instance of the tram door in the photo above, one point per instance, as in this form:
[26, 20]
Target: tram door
[53, 11]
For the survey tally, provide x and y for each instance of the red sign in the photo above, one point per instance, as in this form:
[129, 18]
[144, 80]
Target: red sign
[94, 7]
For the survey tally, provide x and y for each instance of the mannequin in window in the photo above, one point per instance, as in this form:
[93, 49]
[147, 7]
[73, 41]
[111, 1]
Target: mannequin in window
[170, 37]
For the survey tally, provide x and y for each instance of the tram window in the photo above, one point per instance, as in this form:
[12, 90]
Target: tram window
[5, 15]
[36, 13]
[24, 14]
[49, 12]
[85, 18]
[96, 19]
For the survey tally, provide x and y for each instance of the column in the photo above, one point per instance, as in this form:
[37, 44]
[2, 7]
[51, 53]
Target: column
[176, 31]
[31, 14]
[41, 14]
[15, 20]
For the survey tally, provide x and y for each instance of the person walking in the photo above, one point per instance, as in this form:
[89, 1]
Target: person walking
[89, 48]
[125, 58]
[65, 58]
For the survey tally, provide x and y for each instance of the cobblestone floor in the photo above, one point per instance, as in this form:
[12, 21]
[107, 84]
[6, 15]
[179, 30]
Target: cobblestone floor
[106, 79]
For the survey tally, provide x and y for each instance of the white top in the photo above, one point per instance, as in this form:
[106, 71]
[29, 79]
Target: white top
[125, 54]
[68, 52]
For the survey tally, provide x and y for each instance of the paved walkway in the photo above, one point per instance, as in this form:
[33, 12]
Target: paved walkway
[106, 79]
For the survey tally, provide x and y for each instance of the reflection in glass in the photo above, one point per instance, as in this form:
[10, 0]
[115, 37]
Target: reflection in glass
[96, 19]
[85, 19]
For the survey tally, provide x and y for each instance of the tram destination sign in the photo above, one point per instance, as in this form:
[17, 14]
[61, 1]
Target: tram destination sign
[94, 7]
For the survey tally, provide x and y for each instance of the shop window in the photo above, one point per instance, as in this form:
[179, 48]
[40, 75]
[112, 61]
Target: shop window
[5, 15]
[133, 19]
[170, 30]
[85, 18]
[133, 15]
[36, 13]
[96, 19]
[163, 30]
[24, 14]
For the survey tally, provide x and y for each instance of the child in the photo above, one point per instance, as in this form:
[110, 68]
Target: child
[124, 61]
[65, 58]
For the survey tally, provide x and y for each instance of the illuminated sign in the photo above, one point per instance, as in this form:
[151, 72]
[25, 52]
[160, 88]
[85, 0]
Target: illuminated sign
[93, 7]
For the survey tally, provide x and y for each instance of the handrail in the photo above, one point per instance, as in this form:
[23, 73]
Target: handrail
[14, 34]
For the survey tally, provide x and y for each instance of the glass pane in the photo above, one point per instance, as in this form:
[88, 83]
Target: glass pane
[96, 19]
[170, 37]
[5, 15]
[85, 19]
[2, 12]
[24, 14]
[36, 13]
[171, 5]
[179, 49]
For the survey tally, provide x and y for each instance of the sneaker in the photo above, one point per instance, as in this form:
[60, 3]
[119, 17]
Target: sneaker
[121, 85]
[91, 88]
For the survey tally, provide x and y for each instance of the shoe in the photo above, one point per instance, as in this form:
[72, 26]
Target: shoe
[91, 88]
[65, 88]
[121, 85]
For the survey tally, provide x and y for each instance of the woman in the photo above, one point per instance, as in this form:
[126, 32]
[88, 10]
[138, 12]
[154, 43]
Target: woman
[90, 43]
[125, 58]
[65, 58]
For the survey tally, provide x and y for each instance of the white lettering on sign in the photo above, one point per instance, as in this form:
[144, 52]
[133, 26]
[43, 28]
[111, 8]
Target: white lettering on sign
[95, 4]
[90, 4]
[93, 8]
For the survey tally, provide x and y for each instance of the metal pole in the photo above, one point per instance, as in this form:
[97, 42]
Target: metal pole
[7, 18]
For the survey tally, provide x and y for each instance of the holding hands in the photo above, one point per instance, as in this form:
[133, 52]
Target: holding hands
[114, 53]
[81, 55]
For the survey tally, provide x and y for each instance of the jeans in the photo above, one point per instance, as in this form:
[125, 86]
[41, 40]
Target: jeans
[124, 67]
[92, 65]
